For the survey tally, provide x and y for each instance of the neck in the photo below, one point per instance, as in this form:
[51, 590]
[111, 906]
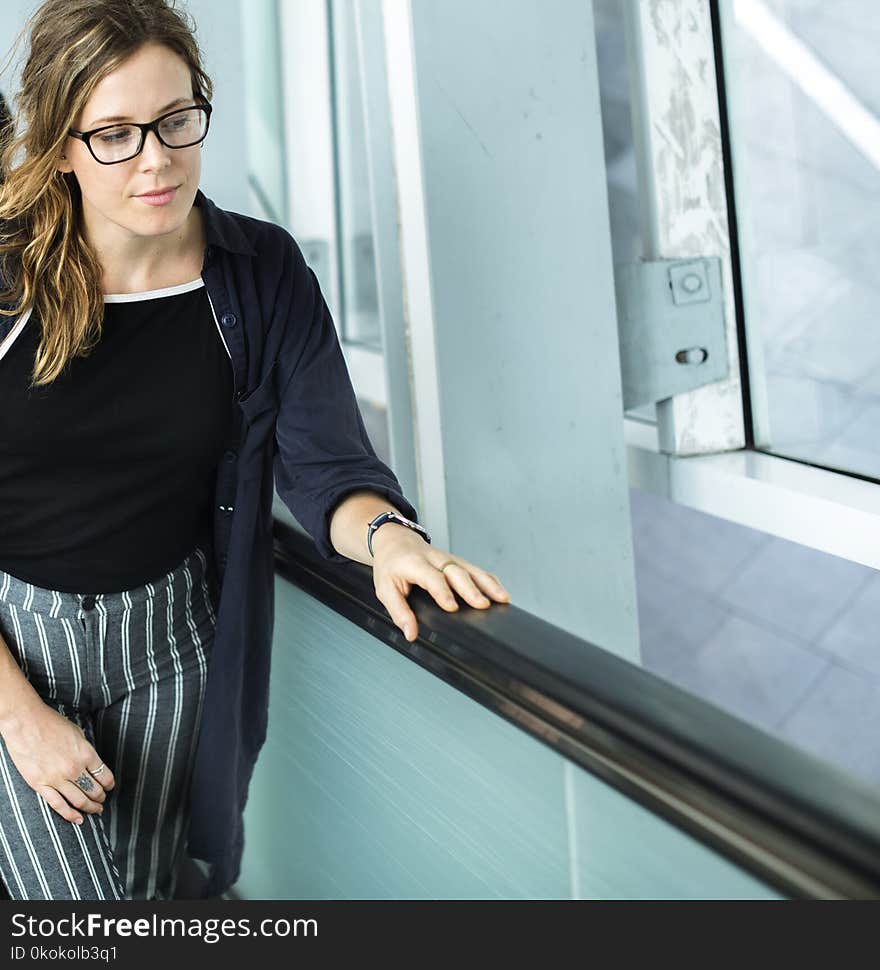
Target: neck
[135, 263]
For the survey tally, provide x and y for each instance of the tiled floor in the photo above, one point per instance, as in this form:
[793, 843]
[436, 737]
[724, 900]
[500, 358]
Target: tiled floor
[782, 636]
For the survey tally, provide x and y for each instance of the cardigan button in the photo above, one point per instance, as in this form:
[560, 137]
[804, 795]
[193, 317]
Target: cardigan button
[229, 320]
[229, 456]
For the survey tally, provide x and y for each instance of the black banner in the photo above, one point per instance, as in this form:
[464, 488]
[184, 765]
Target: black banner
[169, 934]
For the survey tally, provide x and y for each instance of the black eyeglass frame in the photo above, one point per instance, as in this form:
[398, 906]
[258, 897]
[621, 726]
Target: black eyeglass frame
[145, 127]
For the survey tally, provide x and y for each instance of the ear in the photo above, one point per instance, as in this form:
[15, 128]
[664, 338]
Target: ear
[64, 164]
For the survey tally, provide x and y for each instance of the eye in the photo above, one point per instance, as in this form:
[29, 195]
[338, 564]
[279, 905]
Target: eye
[180, 122]
[116, 136]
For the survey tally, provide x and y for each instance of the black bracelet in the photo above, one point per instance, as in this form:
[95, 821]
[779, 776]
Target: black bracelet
[393, 517]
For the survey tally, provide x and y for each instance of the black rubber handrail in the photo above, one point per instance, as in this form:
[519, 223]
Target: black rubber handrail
[803, 826]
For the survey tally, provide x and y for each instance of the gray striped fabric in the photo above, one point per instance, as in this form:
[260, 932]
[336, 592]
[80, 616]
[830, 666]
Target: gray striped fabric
[130, 668]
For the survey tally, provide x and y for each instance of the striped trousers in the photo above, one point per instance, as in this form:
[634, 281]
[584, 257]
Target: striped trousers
[130, 669]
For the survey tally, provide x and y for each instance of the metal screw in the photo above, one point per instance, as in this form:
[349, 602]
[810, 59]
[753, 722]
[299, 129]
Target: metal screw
[691, 283]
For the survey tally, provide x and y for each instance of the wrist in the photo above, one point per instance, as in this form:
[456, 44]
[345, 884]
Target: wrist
[391, 536]
[19, 709]
[382, 522]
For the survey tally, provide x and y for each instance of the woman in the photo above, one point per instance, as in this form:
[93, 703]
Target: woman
[165, 364]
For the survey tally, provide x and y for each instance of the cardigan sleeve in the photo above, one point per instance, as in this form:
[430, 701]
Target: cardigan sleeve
[323, 452]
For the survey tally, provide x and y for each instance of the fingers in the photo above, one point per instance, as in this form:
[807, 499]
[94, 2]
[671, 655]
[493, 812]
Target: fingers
[455, 577]
[475, 585]
[105, 779]
[91, 803]
[89, 786]
[69, 800]
[58, 804]
[490, 584]
[461, 581]
[435, 582]
[80, 787]
[398, 609]
[442, 580]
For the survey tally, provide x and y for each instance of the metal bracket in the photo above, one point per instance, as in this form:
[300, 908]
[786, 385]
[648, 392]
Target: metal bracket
[671, 328]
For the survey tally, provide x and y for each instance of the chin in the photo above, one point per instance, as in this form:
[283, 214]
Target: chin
[150, 228]
[158, 219]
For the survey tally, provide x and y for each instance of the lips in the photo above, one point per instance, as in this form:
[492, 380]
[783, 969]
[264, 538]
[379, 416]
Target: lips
[162, 191]
[158, 196]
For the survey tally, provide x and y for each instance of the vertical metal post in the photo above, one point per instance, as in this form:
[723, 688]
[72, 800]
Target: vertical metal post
[267, 157]
[311, 188]
[395, 362]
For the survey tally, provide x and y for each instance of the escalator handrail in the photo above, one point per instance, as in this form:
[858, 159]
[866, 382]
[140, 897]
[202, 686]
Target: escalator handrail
[802, 825]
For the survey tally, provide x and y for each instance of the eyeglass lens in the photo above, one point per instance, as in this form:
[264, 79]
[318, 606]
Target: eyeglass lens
[178, 130]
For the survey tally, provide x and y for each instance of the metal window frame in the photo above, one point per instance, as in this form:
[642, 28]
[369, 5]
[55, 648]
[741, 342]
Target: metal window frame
[702, 452]
[824, 510]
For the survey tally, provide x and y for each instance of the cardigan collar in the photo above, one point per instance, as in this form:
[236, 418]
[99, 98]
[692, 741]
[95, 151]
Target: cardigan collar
[221, 228]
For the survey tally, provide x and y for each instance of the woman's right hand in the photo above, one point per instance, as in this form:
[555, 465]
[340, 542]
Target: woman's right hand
[53, 756]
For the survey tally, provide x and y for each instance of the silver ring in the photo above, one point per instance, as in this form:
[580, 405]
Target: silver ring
[97, 770]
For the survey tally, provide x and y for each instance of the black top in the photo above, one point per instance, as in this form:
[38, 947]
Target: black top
[107, 475]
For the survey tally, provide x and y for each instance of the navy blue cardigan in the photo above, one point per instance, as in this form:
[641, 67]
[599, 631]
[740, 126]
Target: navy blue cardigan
[296, 429]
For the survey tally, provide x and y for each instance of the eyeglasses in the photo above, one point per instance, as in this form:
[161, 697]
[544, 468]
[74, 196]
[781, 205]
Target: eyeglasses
[119, 143]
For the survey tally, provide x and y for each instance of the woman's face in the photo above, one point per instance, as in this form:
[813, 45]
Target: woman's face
[153, 81]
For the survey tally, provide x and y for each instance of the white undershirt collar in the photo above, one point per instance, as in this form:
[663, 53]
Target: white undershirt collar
[153, 294]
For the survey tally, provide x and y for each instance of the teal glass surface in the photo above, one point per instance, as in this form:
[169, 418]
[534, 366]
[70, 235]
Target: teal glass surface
[378, 780]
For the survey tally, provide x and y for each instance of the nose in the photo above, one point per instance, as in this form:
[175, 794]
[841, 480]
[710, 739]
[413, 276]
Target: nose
[154, 154]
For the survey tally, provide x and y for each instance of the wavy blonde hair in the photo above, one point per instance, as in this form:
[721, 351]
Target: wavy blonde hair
[46, 264]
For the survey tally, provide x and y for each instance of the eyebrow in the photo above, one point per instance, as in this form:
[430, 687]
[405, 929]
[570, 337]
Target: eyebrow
[168, 107]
